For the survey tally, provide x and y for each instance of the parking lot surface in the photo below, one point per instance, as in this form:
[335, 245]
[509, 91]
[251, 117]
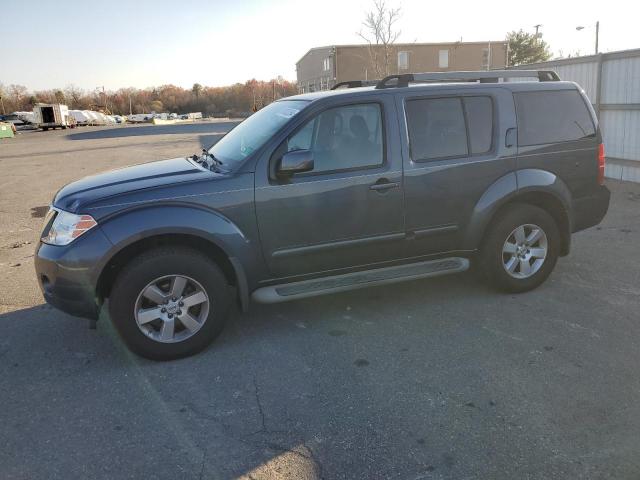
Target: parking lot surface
[441, 378]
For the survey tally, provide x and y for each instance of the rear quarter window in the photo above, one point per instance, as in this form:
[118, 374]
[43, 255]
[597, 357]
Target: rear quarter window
[551, 117]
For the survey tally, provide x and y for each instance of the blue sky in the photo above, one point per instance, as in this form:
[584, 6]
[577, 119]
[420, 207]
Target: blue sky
[144, 43]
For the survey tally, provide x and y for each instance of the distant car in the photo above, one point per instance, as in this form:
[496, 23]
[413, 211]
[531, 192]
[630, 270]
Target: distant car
[18, 121]
[330, 191]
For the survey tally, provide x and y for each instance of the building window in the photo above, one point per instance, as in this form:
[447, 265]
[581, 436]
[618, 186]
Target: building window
[443, 59]
[403, 60]
[326, 64]
[486, 58]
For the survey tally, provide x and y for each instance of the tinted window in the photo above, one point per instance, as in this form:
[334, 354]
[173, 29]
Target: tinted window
[342, 138]
[479, 112]
[436, 128]
[552, 116]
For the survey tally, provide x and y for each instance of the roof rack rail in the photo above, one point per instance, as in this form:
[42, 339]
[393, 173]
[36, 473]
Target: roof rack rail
[355, 84]
[483, 76]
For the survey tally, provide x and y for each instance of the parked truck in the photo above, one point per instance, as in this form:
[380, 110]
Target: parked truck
[53, 115]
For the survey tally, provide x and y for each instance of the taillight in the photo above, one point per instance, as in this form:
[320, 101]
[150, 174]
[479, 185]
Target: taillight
[601, 164]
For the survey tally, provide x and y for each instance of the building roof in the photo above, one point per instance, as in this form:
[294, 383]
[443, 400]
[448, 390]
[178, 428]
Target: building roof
[414, 44]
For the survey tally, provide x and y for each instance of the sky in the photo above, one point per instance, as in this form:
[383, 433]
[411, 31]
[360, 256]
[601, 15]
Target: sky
[144, 43]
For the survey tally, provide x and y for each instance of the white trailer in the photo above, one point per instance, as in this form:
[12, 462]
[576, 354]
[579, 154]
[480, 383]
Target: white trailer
[53, 115]
[139, 117]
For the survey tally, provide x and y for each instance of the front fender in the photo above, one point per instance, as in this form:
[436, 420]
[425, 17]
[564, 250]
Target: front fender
[508, 189]
[131, 226]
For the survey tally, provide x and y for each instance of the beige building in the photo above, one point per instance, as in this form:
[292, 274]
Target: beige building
[323, 67]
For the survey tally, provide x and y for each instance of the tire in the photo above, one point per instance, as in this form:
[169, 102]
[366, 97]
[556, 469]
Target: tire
[134, 301]
[504, 255]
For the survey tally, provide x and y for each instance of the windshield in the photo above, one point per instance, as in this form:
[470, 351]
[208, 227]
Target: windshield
[253, 132]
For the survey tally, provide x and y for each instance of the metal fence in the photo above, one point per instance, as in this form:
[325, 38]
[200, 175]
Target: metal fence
[612, 82]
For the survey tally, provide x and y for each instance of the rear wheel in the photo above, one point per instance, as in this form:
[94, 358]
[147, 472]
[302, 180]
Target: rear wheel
[521, 249]
[169, 303]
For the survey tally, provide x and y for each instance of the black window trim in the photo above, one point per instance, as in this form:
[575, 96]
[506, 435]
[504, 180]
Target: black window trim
[460, 97]
[588, 137]
[352, 103]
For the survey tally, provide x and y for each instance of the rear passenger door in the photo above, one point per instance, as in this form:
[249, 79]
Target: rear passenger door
[454, 150]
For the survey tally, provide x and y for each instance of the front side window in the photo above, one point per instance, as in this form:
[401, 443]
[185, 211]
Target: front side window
[436, 128]
[343, 138]
[252, 133]
[552, 116]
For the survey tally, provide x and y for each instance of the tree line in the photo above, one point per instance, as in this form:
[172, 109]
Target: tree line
[234, 100]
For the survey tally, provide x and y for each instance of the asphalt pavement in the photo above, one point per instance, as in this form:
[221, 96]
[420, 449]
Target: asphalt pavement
[433, 379]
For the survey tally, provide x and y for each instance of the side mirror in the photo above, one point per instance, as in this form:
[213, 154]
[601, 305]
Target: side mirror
[297, 161]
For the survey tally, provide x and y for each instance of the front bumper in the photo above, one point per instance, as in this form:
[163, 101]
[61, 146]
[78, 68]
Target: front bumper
[589, 211]
[68, 275]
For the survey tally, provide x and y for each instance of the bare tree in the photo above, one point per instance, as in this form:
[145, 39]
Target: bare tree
[74, 94]
[380, 33]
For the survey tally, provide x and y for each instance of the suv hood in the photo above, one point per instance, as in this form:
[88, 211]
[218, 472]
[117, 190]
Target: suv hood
[89, 190]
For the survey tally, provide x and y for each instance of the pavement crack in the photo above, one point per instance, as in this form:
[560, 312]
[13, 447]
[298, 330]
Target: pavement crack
[204, 461]
[259, 403]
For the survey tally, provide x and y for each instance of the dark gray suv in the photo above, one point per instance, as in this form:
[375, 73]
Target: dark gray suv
[415, 177]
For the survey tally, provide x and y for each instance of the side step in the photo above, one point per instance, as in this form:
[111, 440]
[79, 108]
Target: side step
[351, 281]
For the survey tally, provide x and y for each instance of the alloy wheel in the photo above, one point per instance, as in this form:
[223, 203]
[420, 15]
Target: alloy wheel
[524, 251]
[171, 308]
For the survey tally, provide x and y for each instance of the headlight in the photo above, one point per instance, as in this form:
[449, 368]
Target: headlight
[67, 227]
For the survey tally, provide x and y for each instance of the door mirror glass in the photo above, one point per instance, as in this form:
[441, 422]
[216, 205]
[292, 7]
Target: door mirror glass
[297, 161]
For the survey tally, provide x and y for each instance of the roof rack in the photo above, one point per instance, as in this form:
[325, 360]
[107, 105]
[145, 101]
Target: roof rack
[355, 84]
[486, 76]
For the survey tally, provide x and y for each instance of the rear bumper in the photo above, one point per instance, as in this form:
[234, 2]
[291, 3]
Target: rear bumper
[67, 275]
[589, 211]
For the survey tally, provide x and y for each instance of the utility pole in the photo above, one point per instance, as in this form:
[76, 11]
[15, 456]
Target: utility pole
[130, 112]
[537, 27]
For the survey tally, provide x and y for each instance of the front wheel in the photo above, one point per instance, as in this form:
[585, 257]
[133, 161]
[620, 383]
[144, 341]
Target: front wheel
[521, 248]
[169, 303]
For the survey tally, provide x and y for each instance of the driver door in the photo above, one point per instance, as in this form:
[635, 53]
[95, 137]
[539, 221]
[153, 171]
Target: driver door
[348, 211]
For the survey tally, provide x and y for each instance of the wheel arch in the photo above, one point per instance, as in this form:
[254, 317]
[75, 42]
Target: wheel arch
[208, 232]
[540, 188]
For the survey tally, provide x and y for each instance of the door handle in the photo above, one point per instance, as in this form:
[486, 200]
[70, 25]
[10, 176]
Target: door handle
[383, 184]
[511, 137]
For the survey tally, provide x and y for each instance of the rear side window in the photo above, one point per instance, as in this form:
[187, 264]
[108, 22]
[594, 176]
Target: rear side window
[552, 116]
[438, 128]
[479, 112]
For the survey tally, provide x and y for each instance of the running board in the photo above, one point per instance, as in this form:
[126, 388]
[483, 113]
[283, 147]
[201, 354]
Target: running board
[351, 281]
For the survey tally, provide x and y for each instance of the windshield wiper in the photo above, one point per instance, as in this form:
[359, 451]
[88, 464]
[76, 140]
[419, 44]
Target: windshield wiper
[209, 161]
